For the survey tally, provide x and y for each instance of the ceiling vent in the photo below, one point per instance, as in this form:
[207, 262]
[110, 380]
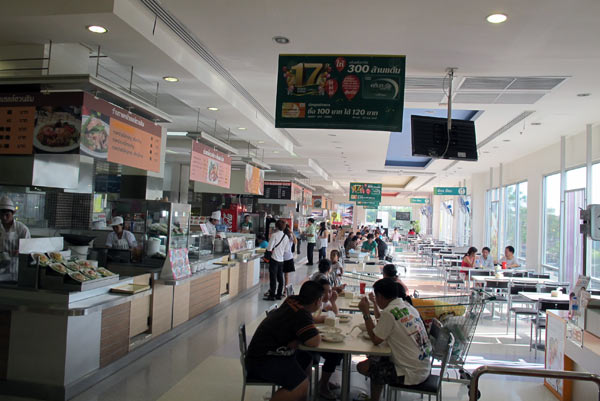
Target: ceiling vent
[511, 83]
[423, 97]
[423, 83]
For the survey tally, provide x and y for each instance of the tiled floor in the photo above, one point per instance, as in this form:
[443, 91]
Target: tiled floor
[203, 364]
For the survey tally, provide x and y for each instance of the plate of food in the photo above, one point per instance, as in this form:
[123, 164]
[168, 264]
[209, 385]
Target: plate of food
[328, 329]
[59, 268]
[56, 136]
[56, 257]
[91, 274]
[41, 258]
[78, 276]
[85, 263]
[72, 266]
[345, 318]
[105, 272]
[333, 337]
[94, 135]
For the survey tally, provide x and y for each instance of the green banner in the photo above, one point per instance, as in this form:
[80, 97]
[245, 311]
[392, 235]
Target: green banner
[423, 201]
[367, 204]
[450, 190]
[363, 92]
[366, 192]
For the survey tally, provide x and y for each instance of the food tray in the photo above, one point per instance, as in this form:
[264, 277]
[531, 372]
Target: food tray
[53, 281]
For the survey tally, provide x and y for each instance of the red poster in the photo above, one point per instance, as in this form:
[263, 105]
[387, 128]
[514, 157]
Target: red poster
[210, 166]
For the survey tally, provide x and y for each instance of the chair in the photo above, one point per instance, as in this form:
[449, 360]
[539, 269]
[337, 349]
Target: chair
[540, 275]
[433, 384]
[514, 297]
[500, 292]
[539, 321]
[245, 380]
[271, 308]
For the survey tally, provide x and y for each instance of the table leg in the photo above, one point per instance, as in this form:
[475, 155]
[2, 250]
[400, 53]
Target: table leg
[346, 368]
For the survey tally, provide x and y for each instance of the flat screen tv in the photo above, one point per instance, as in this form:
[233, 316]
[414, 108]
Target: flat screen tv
[403, 216]
[430, 138]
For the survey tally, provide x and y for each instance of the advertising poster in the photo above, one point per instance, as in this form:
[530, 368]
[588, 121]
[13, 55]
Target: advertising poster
[317, 202]
[347, 212]
[180, 263]
[555, 356]
[365, 192]
[307, 196]
[255, 180]
[40, 123]
[363, 92]
[210, 166]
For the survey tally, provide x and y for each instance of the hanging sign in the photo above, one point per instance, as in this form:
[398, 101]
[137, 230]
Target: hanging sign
[210, 166]
[363, 92]
[424, 201]
[367, 192]
[450, 190]
[278, 190]
[307, 196]
[255, 180]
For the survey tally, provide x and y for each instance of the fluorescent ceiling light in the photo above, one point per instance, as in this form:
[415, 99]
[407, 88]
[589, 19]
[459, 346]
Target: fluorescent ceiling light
[213, 108]
[96, 29]
[496, 18]
[171, 79]
[177, 133]
[261, 142]
[214, 141]
[242, 128]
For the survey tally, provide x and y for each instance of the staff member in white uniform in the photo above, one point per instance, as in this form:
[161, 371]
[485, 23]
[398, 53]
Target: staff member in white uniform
[119, 238]
[210, 226]
[11, 232]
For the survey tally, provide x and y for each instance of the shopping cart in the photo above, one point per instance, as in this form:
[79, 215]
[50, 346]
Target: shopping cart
[459, 315]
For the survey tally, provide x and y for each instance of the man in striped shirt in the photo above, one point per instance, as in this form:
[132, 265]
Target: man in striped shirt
[272, 354]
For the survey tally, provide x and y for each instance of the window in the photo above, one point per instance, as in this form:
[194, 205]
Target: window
[387, 214]
[522, 223]
[551, 222]
[510, 216]
[515, 219]
[446, 220]
[492, 218]
[463, 231]
[595, 248]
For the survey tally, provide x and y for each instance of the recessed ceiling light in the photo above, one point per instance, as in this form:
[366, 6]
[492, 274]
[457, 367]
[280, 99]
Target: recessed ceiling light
[242, 128]
[261, 141]
[496, 18]
[96, 29]
[275, 151]
[583, 94]
[338, 147]
[331, 134]
[282, 40]
[171, 79]
[506, 140]
[213, 108]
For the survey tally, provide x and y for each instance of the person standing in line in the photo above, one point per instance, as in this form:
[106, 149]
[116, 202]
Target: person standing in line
[311, 240]
[288, 256]
[278, 243]
[323, 240]
[298, 237]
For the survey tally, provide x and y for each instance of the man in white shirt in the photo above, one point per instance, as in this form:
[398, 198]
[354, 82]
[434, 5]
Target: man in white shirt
[509, 258]
[485, 260]
[210, 226]
[401, 326]
[278, 243]
[119, 238]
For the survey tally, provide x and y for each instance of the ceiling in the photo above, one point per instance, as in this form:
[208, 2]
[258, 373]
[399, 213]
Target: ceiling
[235, 69]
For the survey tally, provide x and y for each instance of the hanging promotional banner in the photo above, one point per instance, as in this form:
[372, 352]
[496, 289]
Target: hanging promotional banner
[364, 92]
[119, 136]
[297, 193]
[450, 190]
[367, 192]
[210, 166]
[423, 201]
[347, 212]
[255, 180]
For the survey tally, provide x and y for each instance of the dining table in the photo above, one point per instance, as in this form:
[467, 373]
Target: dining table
[353, 344]
[547, 296]
[350, 304]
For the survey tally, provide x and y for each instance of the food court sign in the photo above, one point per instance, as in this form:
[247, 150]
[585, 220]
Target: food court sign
[210, 166]
[363, 92]
[365, 192]
[450, 190]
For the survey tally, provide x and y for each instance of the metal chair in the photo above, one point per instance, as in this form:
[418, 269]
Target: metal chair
[514, 297]
[289, 290]
[500, 291]
[433, 384]
[245, 380]
[539, 275]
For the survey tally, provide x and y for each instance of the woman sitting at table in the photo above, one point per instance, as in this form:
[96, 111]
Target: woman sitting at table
[401, 326]
[469, 259]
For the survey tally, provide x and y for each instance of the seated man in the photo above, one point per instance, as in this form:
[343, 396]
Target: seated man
[509, 258]
[485, 261]
[332, 360]
[324, 271]
[272, 354]
[401, 326]
[370, 245]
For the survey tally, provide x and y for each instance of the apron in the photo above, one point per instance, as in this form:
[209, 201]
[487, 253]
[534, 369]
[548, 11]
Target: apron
[122, 243]
[10, 245]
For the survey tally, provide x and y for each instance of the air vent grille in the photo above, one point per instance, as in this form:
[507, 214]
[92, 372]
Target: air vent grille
[423, 97]
[424, 83]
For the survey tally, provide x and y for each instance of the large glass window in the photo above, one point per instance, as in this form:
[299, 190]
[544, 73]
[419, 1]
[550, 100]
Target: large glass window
[446, 220]
[492, 219]
[510, 216]
[515, 219]
[551, 235]
[522, 225]
[594, 264]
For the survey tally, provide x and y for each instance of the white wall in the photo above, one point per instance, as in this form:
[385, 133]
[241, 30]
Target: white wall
[531, 168]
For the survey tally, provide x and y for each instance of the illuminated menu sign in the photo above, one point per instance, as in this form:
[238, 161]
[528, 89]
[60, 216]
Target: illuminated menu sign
[278, 190]
[112, 133]
[210, 166]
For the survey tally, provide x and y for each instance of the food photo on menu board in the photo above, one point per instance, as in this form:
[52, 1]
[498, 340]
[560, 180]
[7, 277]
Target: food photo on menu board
[209, 166]
[57, 129]
[94, 133]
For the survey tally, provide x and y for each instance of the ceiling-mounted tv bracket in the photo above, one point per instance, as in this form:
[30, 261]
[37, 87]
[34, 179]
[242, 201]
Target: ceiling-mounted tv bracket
[450, 74]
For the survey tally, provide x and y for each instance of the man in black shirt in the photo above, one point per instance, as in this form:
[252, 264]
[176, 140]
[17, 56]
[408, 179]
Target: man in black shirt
[381, 248]
[272, 354]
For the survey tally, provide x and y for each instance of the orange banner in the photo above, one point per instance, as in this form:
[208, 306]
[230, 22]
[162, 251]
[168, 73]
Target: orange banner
[255, 180]
[133, 147]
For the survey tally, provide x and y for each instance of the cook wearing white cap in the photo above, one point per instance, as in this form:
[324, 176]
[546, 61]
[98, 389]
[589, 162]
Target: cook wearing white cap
[11, 232]
[119, 238]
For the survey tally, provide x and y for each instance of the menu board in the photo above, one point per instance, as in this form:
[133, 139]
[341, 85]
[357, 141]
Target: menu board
[296, 193]
[180, 263]
[210, 166]
[40, 123]
[278, 190]
[340, 91]
[255, 180]
[307, 196]
[366, 192]
[119, 136]
[347, 212]
[403, 216]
